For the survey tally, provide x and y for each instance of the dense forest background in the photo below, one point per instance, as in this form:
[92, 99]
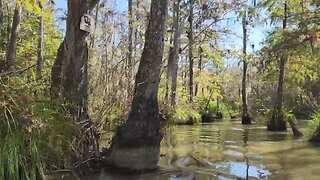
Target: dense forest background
[196, 61]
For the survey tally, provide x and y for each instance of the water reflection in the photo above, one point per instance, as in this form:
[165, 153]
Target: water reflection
[245, 144]
[229, 150]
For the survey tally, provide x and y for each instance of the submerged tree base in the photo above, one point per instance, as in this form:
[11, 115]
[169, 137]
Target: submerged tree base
[134, 159]
[207, 117]
[219, 115]
[136, 147]
[246, 119]
[279, 127]
[277, 122]
[315, 138]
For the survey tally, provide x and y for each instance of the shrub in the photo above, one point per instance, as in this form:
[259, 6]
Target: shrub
[264, 116]
[36, 135]
[186, 116]
[210, 107]
[20, 158]
[314, 125]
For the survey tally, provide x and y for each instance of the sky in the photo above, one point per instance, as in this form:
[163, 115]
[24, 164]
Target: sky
[256, 34]
[120, 6]
[61, 5]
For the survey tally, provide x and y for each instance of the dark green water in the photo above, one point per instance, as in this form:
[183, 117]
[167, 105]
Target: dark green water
[229, 150]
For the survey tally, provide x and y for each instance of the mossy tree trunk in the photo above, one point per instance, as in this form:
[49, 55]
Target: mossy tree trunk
[70, 70]
[12, 46]
[246, 119]
[191, 42]
[316, 136]
[173, 55]
[2, 33]
[130, 65]
[40, 45]
[136, 145]
[200, 69]
[277, 122]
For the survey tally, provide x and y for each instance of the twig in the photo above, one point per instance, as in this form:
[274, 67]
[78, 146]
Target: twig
[18, 72]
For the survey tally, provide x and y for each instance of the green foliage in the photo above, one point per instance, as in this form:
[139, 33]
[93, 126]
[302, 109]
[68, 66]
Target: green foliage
[289, 116]
[37, 135]
[60, 139]
[186, 115]
[211, 107]
[19, 157]
[314, 124]
[261, 118]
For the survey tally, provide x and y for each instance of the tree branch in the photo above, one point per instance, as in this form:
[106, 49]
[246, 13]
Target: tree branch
[92, 4]
[17, 72]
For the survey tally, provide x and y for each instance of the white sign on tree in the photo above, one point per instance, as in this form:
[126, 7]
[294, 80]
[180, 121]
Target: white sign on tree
[87, 23]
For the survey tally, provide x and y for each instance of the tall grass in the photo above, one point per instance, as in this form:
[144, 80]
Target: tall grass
[37, 136]
[20, 158]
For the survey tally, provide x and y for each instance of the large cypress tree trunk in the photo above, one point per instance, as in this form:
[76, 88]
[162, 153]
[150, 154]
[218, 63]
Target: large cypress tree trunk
[74, 68]
[70, 70]
[136, 146]
[245, 115]
[277, 122]
[69, 73]
[12, 46]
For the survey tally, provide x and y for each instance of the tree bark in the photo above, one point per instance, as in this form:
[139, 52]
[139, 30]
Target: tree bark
[170, 63]
[136, 145]
[169, 69]
[200, 69]
[70, 71]
[40, 45]
[277, 122]
[1, 14]
[130, 35]
[295, 130]
[74, 78]
[246, 119]
[2, 37]
[56, 71]
[8, 28]
[190, 36]
[12, 46]
[2, 34]
[176, 46]
[93, 37]
[130, 48]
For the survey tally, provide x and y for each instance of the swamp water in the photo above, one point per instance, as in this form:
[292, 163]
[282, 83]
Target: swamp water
[229, 150]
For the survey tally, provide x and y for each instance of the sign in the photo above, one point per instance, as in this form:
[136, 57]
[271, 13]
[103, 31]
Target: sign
[87, 23]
